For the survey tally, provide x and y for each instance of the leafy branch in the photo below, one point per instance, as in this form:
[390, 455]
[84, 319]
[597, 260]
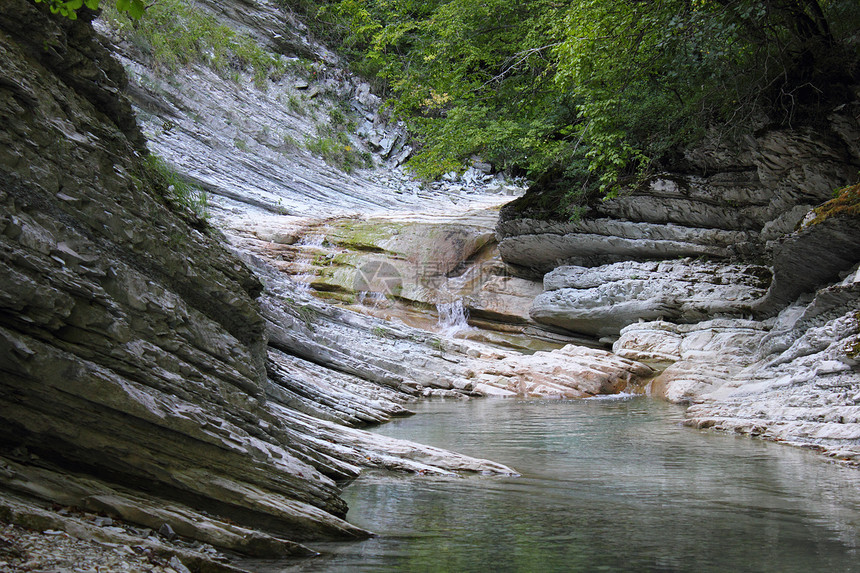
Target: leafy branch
[69, 8]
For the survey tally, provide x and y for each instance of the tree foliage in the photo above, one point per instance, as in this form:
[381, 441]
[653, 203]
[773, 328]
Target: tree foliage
[594, 92]
[598, 89]
[69, 8]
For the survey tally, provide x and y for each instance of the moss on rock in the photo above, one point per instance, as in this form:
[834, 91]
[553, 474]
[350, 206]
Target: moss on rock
[845, 204]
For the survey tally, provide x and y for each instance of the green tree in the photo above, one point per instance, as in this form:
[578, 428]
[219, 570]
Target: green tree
[69, 8]
[597, 90]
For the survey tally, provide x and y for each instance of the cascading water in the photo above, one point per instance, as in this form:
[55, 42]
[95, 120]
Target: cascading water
[303, 280]
[371, 299]
[453, 317]
[315, 240]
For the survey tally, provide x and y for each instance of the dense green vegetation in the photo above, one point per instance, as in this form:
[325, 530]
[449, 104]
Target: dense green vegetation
[594, 90]
[583, 94]
[69, 8]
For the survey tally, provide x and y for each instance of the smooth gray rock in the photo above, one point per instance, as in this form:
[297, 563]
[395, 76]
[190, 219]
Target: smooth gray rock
[793, 379]
[600, 301]
[540, 246]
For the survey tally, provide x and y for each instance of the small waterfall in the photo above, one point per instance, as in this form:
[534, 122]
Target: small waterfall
[312, 241]
[371, 299]
[453, 317]
[303, 280]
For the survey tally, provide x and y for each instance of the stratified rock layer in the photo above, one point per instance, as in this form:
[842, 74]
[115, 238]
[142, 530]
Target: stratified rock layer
[794, 379]
[131, 344]
[602, 300]
[728, 203]
[705, 273]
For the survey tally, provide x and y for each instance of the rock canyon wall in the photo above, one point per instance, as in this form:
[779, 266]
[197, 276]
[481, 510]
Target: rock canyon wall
[145, 375]
[164, 385]
[735, 275]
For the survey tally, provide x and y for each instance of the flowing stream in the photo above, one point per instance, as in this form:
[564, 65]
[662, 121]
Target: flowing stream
[606, 485]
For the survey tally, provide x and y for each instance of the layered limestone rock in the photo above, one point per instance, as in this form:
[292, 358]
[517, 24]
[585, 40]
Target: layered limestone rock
[137, 378]
[693, 358]
[247, 140]
[131, 343]
[536, 246]
[400, 360]
[726, 206]
[689, 271]
[723, 199]
[570, 372]
[826, 245]
[600, 301]
[249, 147]
[793, 379]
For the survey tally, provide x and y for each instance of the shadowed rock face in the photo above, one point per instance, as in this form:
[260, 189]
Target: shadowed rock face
[809, 258]
[132, 345]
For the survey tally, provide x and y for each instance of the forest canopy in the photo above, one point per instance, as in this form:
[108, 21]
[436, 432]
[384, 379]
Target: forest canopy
[597, 90]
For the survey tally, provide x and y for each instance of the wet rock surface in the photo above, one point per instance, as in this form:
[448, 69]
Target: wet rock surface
[406, 267]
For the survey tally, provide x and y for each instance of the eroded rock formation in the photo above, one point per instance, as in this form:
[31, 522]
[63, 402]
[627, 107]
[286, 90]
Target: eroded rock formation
[704, 273]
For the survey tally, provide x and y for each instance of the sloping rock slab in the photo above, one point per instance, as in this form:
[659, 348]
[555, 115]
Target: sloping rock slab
[570, 372]
[811, 257]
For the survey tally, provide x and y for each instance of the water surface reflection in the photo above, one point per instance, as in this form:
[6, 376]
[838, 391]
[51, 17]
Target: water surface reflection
[606, 485]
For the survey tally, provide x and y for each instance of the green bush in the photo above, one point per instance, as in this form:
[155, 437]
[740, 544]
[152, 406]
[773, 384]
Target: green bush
[185, 197]
[335, 148]
[175, 33]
